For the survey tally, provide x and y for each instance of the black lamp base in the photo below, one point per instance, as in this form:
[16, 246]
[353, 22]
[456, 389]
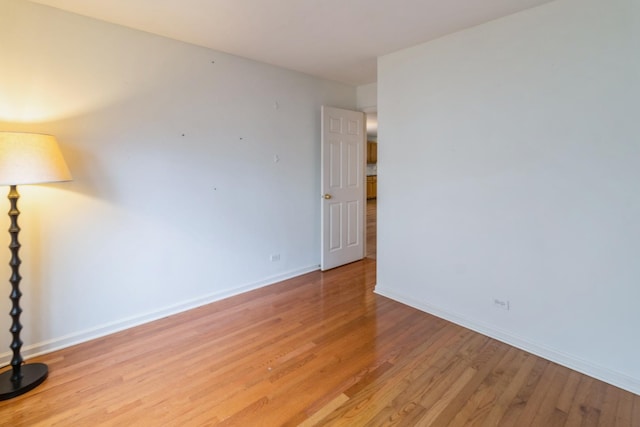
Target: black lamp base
[33, 374]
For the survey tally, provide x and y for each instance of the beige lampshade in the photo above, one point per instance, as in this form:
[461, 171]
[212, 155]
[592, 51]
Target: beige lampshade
[31, 158]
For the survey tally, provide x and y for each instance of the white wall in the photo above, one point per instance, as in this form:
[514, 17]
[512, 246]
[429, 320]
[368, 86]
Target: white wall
[513, 172]
[367, 97]
[178, 198]
[367, 101]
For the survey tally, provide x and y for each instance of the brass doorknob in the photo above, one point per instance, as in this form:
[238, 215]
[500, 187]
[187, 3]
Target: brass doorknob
[327, 196]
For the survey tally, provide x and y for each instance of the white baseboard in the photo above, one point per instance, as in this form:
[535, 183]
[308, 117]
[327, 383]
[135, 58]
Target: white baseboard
[119, 325]
[599, 372]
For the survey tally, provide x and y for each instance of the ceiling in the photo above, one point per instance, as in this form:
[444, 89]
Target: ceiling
[332, 39]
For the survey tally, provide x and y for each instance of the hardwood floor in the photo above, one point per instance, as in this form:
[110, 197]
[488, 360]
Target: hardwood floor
[371, 229]
[320, 349]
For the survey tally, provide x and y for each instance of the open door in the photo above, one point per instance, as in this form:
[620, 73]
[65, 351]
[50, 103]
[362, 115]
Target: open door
[342, 187]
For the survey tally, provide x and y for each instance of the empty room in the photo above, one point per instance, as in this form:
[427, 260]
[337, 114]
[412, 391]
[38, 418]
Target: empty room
[193, 239]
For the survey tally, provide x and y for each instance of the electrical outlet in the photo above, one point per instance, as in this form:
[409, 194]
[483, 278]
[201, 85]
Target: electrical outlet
[500, 303]
[275, 257]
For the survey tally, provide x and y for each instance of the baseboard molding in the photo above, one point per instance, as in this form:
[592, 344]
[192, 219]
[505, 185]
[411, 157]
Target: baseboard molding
[45, 347]
[599, 372]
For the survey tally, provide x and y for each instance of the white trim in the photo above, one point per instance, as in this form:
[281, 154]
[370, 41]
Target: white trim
[570, 361]
[49, 346]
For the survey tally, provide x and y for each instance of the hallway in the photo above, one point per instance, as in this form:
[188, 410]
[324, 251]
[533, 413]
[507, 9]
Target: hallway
[372, 205]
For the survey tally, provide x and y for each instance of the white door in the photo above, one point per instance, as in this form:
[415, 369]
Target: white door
[342, 187]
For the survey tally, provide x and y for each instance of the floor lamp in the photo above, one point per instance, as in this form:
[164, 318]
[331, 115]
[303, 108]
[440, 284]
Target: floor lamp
[25, 158]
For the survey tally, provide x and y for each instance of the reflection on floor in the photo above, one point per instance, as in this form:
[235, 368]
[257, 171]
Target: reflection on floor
[371, 228]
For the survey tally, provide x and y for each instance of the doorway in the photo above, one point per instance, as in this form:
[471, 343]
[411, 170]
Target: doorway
[371, 223]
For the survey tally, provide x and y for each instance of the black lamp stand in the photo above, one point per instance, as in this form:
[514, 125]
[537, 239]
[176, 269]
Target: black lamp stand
[22, 377]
